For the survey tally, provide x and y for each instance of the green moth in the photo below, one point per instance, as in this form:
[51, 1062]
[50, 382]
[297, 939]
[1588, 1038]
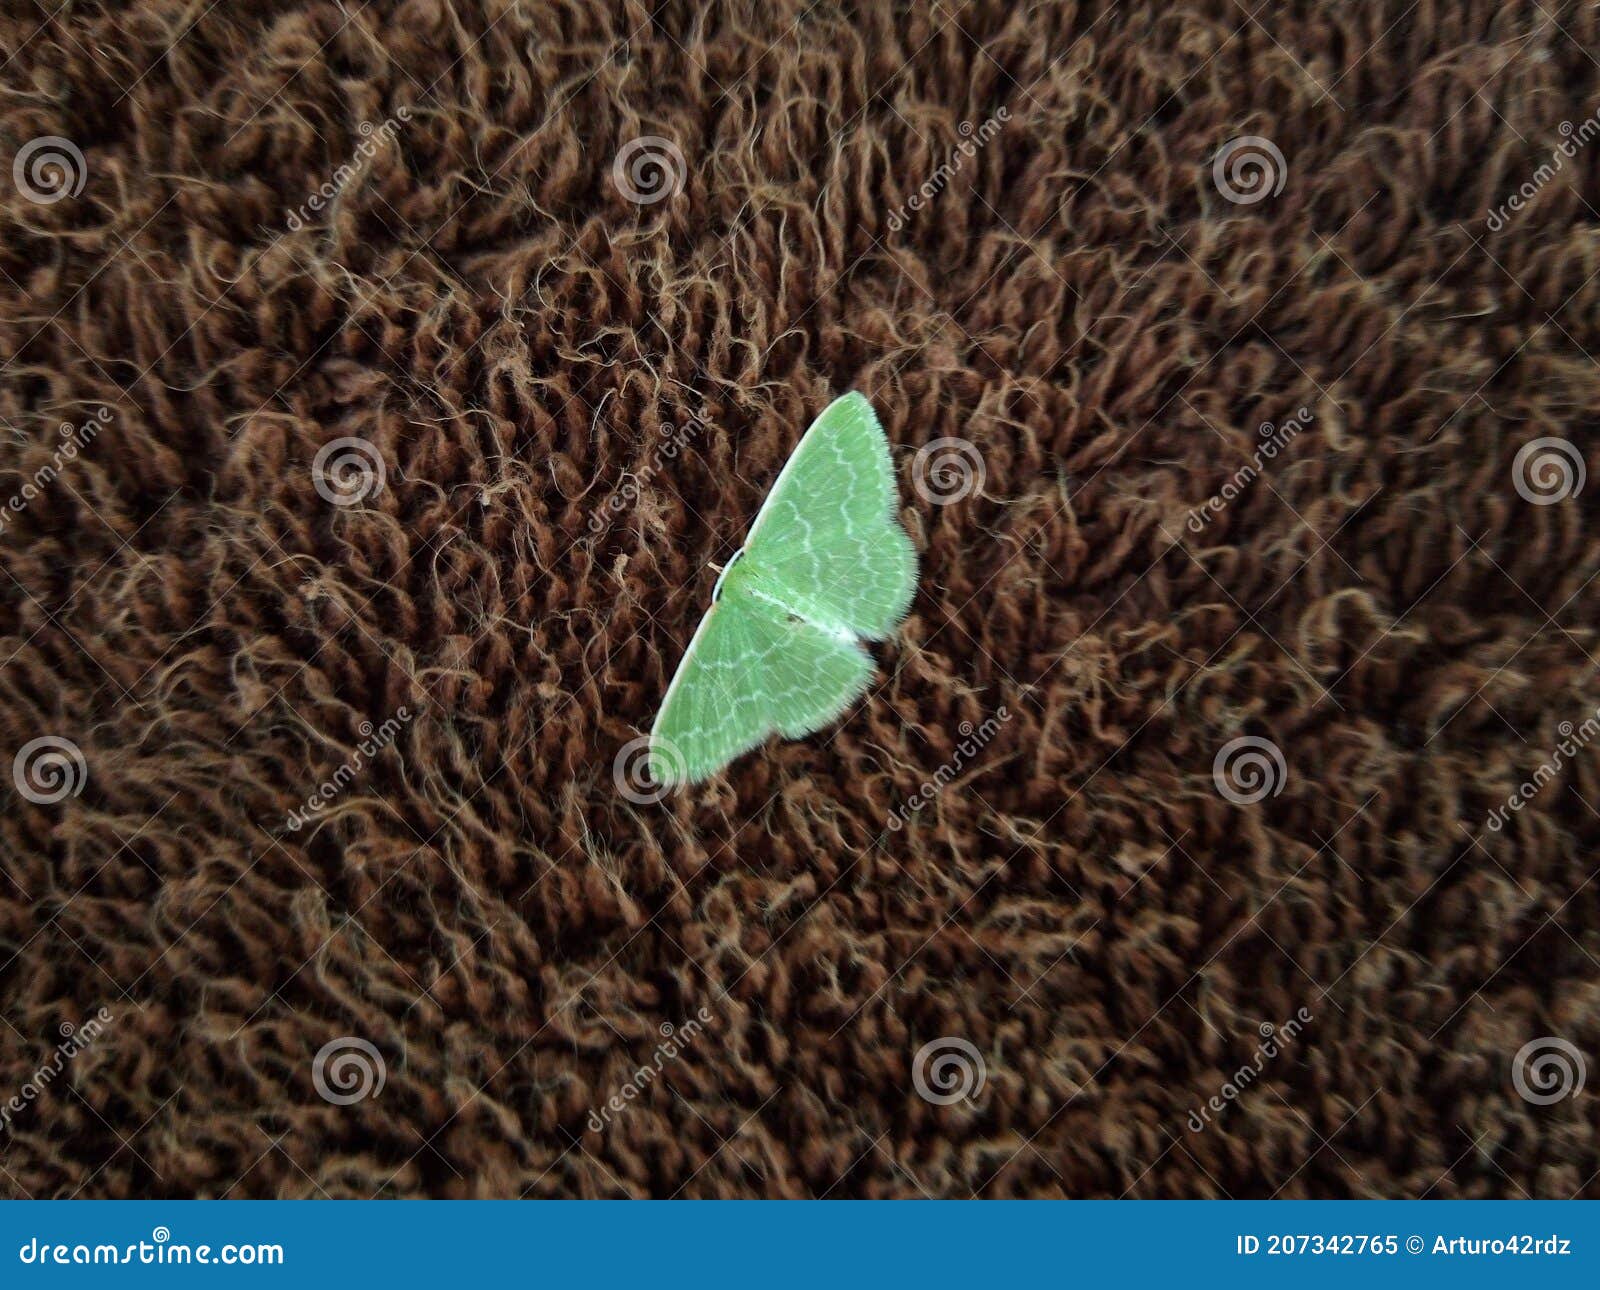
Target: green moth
[825, 566]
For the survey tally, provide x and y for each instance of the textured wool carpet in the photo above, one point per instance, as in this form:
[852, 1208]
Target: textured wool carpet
[337, 863]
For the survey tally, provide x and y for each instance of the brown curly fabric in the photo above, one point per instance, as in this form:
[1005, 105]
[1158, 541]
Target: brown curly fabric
[306, 221]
